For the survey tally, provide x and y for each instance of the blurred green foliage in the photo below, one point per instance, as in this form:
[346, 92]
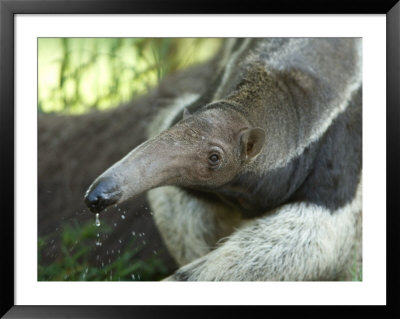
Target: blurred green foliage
[356, 267]
[76, 75]
[72, 262]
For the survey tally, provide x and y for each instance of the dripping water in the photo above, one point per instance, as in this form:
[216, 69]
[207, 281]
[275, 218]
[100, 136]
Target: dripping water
[97, 223]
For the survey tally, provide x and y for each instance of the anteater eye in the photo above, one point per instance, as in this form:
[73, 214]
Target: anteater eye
[213, 159]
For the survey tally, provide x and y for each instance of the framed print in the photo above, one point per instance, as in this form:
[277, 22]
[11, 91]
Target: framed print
[233, 161]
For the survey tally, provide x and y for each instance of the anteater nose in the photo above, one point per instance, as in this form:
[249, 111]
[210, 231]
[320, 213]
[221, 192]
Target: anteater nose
[92, 199]
[101, 194]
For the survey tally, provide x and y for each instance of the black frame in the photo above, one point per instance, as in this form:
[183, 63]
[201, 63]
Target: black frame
[10, 7]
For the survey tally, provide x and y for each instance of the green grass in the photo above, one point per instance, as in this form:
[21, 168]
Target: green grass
[354, 272]
[72, 263]
[357, 273]
[356, 268]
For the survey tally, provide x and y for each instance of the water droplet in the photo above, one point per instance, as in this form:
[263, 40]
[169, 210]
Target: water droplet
[133, 276]
[85, 273]
[133, 233]
[120, 241]
[123, 216]
[97, 220]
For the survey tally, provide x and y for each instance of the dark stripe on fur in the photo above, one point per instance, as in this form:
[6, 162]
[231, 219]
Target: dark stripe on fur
[327, 172]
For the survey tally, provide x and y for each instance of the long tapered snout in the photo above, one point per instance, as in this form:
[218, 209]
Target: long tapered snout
[151, 164]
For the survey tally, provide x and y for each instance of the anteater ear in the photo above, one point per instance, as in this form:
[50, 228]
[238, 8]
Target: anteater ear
[252, 141]
[186, 113]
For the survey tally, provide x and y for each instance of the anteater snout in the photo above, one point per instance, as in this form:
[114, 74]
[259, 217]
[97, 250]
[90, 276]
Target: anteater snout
[101, 194]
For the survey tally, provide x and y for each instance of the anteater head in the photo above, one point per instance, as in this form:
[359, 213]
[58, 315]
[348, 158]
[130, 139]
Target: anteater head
[202, 151]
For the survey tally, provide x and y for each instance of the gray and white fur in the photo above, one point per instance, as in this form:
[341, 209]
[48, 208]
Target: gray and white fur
[292, 209]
